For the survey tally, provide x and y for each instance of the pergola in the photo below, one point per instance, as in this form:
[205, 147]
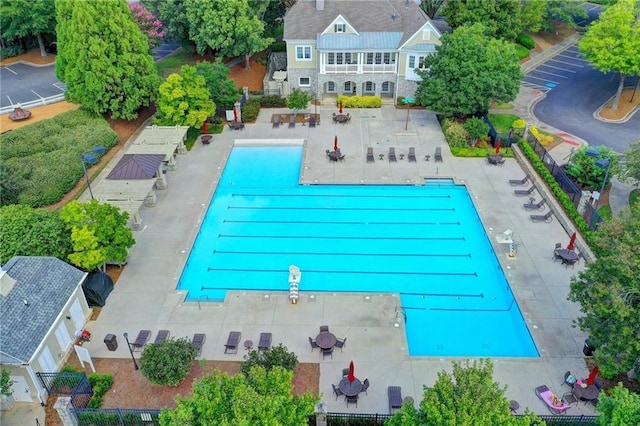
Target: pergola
[160, 140]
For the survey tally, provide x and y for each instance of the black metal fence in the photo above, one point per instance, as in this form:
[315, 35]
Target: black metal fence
[570, 420]
[60, 383]
[116, 417]
[82, 393]
[352, 419]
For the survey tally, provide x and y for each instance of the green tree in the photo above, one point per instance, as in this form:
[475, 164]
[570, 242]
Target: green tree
[23, 18]
[168, 363]
[477, 128]
[184, 100]
[99, 233]
[222, 90]
[619, 407]
[230, 27]
[468, 396]
[632, 164]
[500, 17]
[29, 232]
[172, 14]
[260, 398]
[104, 58]
[469, 72]
[562, 11]
[531, 13]
[608, 291]
[298, 100]
[431, 7]
[586, 172]
[277, 356]
[612, 43]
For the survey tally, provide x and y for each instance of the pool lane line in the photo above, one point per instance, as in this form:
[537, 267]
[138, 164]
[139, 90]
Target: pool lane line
[341, 254]
[341, 237]
[479, 295]
[333, 222]
[310, 271]
[342, 209]
[475, 310]
[339, 196]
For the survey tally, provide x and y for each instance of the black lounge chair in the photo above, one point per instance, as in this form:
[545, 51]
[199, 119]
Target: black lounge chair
[395, 398]
[313, 344]
[337, 391]
[198, 341]
[141, 340]
[276, 121]
[370, 158]
[231, 347]
[340, 343]
[312, 122]
[537, 206]
[265, 341]
[161, 337]
[365, 386]
[392, 155]
[292, 121]
[516, 182]
[523, 192]
[412, 155]
[352, 400]
[438, 155]
[542, 218]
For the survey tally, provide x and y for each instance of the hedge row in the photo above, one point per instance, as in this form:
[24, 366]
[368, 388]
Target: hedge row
[43, 159]
[101, 383]
[359, 101]
[250, 110]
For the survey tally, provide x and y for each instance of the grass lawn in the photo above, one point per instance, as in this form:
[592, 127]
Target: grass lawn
[503, 122]
[172, 63]
[605, 213]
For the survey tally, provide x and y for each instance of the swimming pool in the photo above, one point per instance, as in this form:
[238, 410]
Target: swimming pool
[425, 242]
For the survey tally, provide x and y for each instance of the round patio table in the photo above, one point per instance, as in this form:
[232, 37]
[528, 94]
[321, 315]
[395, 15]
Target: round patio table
[350, 388]
[568, 255]
[589, 393]
[326, 340]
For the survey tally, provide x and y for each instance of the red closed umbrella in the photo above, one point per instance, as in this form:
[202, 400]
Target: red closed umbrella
[498, 147]
[235, 114]
[572, 242]
[592, 376]
[335, 143]
[351, 377]
[340, 107]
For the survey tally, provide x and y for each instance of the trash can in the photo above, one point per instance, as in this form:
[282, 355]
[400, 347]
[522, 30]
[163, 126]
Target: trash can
[587, 350]
[111, 342]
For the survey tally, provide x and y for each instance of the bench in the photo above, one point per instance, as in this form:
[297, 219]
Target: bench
[395, 398]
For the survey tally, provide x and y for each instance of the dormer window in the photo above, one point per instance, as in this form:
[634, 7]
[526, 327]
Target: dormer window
[339, 28]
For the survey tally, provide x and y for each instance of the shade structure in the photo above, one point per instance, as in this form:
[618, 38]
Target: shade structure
[351, 376]
[592, 376]
[498, 146]
[572, 242]
[335, 143]
[340, 107]
[235, 114]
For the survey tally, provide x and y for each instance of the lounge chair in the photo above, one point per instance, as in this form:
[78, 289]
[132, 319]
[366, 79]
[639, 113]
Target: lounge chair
[336, 390]
[412, 155]
[276, 121]
[141, 340]
[523, 192]
[537, 206]
[370, 158]
[352, 400]
[313, 344]
[546, 396]
[438, 155]
[161, 337]
[198, 342]
[392, 155]
[365, 386]
[395, 398]
[324, 328]
[231, 347]
[340, 343]
[327, 352]
[265, 341]
[516, 182]
[312, 122]
[292, 121]
[542, 218]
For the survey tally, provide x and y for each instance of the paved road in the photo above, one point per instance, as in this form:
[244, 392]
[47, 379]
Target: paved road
[23, 83]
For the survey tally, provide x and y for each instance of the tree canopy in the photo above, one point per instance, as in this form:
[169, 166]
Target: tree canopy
[259, 398]
[29, 232]
[184, 100]
[469, 71]
[222, 90]
[168, 363]
[619, 407]
[500, 17]
[104, 58]
[632, 164]
[467, 396]
[22, 18]
[608, 291]
[298, 99]
[99, 233]
[612, 43]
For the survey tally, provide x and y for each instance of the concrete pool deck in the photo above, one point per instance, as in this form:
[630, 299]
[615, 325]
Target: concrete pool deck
[145, 296]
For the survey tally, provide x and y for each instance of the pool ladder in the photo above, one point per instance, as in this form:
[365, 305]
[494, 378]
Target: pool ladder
[400, 314]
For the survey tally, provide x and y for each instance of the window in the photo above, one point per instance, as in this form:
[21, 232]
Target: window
[331, 58]
[386, 87]
[378, 58]
[331, 87]
[339, 28]
[304, 81]
[420, 60]
[412, 62]
[369, 58]
[389, 58]
[347, 58]
[369, 86]
[303, 53]
[339, 59]
[347, 87]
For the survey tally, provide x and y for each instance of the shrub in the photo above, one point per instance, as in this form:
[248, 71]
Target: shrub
[476, 128]
[518, 127]
[455, 133]
[277, 356]
[273, 101]
[250, 110]
[101, 383]
[278, 46]
[359, 101]
[479, 152]
[521, 52]
[168, 363]
[544, 138]
[525, 40]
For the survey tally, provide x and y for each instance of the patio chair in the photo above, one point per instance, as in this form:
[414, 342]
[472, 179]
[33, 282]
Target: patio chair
[141, 340]
[514, 406]
[265, 341]
[276, 121]
[231, 347]
[516, 182]
[161, 337]
[537, 206]
[352, 400]
[292, 121]
[569, 398]
[198, 342]
[395, 398]
[370, 158]
[327, 352]
[522, 192]
[324, 328]
[312, 122]
[392, 155]
[340, 343]
[553, 403]
[569, 380]
[313, 344]
[345, 372]
[365, 386]
[412, 155]
[542, 218]
[438, 155]
[556, 256]
[337, 391]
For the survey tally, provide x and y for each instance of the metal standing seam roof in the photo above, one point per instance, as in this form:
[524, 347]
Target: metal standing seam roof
[136, 166]
[365, 40]
[45, 284]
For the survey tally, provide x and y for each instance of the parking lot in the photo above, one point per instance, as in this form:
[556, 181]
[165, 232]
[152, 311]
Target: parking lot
[22, 83]
[558, 70]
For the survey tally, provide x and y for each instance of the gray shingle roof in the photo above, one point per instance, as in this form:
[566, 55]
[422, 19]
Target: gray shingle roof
[304, 22]
[136, 166]
[46, 283]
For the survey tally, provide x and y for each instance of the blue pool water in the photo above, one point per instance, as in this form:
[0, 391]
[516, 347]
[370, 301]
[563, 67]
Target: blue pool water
[424, 242]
